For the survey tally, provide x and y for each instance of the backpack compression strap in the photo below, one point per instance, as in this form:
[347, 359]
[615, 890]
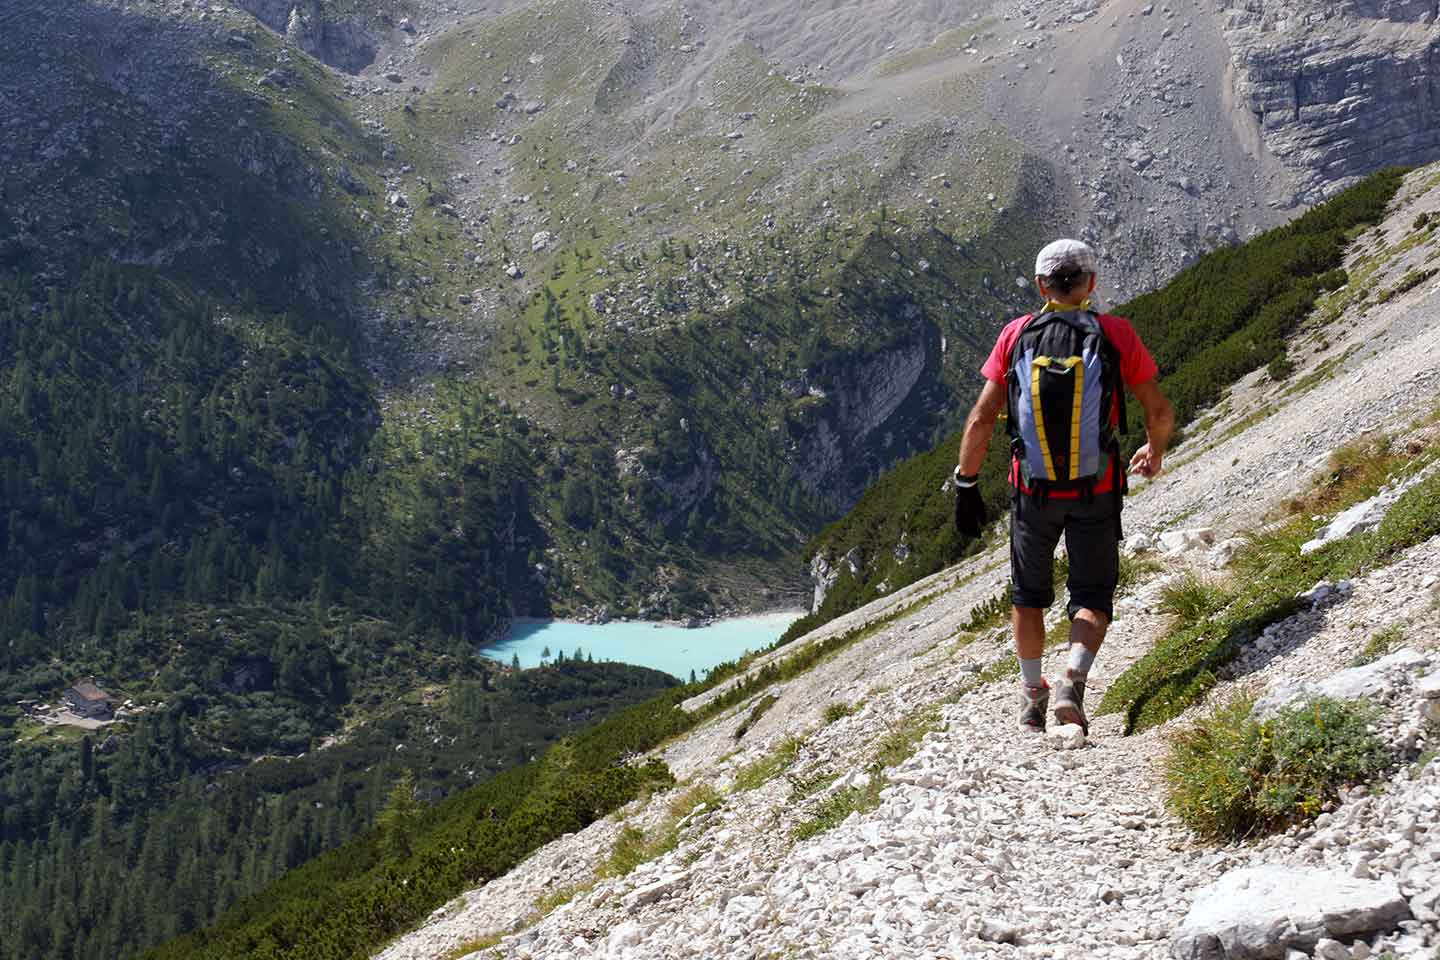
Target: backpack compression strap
[1041, 364]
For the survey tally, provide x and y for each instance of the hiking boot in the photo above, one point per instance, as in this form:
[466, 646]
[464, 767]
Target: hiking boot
[1070, 703]
[1033, 702]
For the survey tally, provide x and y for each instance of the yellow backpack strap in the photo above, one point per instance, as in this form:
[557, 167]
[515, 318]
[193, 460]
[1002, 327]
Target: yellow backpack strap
[1070, 364]
[1039, 364]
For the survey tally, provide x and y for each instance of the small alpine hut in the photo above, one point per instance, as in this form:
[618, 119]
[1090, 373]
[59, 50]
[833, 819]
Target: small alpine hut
[87, 700]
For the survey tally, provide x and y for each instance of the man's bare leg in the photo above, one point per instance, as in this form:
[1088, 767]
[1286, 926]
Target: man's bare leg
[1088, 629]
[1087, 632]
[1028, 624]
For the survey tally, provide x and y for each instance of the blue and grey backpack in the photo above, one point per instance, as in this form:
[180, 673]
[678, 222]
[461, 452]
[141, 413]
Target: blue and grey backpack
[1063, 377]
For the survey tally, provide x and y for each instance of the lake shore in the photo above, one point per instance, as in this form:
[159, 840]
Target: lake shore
[675, 647]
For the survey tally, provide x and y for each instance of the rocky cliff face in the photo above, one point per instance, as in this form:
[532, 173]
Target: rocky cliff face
[1341, 89]
[852, 414]
[347, 43]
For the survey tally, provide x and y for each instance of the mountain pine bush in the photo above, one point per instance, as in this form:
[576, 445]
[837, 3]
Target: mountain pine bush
[1229, 776]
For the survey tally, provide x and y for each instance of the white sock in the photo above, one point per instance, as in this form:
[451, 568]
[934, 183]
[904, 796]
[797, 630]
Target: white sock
[1080, 659]
[1030, 672]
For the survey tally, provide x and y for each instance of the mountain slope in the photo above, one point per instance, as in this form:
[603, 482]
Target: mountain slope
[881, 803]
[336, 334]
[856, 696]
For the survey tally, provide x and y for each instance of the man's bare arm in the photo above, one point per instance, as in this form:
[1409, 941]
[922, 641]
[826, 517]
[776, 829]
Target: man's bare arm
[979, 426]
[1159, 424]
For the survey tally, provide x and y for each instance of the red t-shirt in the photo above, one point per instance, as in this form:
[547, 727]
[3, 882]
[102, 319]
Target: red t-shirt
[1136, 367]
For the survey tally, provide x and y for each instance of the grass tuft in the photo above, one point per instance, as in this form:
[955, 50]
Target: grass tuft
[765, 769]
[1193, 598]
[834, 809]
[896, 746]
[1229, 777]
[472, 946]
[1381, 642]
[634, 846]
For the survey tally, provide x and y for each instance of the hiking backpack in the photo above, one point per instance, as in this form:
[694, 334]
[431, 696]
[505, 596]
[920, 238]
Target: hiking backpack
[1063, 377]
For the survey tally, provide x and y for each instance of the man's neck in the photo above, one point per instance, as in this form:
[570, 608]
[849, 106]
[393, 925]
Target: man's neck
[1083, 304]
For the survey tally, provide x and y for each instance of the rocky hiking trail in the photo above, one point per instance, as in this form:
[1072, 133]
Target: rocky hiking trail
[883, 804]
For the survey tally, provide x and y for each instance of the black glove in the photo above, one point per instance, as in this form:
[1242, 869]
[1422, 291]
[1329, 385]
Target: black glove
[969, 508]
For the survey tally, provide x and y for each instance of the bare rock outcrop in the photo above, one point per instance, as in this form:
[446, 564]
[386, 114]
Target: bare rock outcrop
[851, 414]
[1338, 89]
[344, 43]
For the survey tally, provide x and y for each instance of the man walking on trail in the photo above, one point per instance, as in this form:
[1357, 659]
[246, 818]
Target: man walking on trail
[1062, 373]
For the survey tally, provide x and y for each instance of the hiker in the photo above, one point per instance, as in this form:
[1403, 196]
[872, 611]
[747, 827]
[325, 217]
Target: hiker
[1061, 373]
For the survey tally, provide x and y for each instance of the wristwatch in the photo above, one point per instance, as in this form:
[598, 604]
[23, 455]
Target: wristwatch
[963, 479]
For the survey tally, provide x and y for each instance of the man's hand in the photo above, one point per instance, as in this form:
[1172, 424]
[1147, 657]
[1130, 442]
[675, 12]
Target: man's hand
[969, 510]
[1159, 421]
[1146, 463]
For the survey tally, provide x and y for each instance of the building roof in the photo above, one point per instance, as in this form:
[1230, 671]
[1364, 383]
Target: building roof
[88, 691]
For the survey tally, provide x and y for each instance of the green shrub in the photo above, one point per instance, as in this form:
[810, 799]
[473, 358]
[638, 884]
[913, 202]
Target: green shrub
[1281, 367]
[1228, 777]
[989, 613]
[837, 711]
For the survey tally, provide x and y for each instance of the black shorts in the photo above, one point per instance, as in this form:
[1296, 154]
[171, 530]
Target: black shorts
[1092, 540]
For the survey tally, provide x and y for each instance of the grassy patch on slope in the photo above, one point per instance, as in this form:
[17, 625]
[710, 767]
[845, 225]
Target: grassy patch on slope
[1215, 621]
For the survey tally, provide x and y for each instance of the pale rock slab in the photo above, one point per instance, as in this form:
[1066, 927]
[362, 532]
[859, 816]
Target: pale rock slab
[659, 890]
[1262, 912]
[1176, 541]
[1067, 736]
[1355, 683]
[1363, 516]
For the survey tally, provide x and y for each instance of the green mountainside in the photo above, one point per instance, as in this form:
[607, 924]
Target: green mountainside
[348, 903]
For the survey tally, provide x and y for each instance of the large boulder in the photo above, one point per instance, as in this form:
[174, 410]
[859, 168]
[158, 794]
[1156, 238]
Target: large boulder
[1262, 912]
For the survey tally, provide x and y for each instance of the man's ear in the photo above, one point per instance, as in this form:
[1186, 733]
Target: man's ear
[1091, 289]
[1040, 285]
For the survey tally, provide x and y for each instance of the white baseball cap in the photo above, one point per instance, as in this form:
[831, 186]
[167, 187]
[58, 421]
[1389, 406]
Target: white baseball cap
[1060, 254]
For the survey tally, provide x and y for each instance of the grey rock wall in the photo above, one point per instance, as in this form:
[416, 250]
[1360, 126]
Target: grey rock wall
[1339, 90]
[853, 411]
[344, 43]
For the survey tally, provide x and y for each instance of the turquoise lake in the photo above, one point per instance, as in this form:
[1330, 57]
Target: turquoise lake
[662, 646]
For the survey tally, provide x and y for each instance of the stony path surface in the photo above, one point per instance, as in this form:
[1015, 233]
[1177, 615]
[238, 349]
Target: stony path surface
[988, 843]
